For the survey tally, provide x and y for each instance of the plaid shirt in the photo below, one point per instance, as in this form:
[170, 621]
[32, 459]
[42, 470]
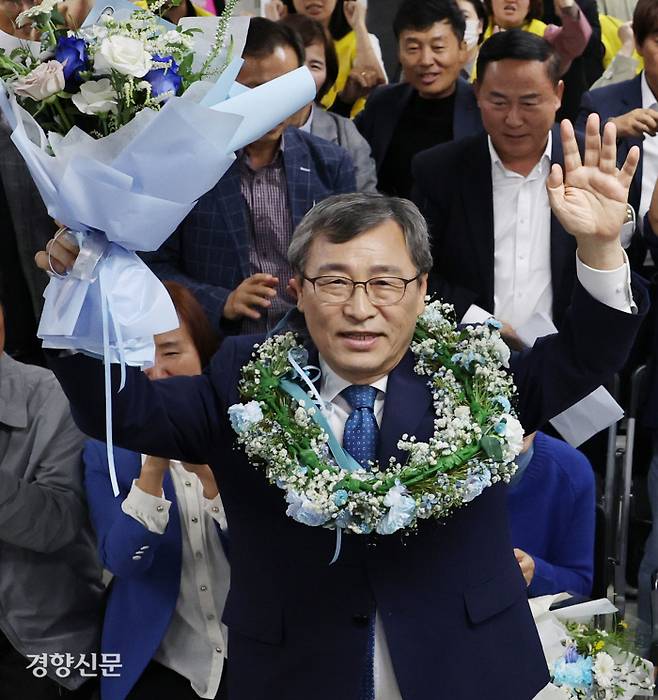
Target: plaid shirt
[209, 252]
[269, 219]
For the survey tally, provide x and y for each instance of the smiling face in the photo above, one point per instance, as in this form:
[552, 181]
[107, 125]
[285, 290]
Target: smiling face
[258, 70]
[359, 341]
[320, 10]
[649, 52]
[509, 14]
[316, 62]
[175, 355]
[431, 59]
[518, 102]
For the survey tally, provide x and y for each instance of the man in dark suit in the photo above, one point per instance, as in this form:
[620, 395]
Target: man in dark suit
[498, 247]
[633, 107]
[231, 249]
[447, 604]
[435, 105]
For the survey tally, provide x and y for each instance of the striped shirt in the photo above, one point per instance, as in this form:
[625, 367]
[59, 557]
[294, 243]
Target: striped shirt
[266, 194]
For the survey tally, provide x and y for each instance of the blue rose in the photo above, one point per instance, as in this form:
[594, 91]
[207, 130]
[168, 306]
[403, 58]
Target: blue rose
[164, 80]
[71, 52]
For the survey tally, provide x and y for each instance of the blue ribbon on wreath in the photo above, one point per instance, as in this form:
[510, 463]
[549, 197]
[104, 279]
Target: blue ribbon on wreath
[343, 459]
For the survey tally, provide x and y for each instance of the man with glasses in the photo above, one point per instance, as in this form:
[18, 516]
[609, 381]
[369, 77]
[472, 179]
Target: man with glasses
[442, 613]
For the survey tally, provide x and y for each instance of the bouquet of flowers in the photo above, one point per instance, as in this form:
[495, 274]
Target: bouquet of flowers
[587, 663]
[123, 125]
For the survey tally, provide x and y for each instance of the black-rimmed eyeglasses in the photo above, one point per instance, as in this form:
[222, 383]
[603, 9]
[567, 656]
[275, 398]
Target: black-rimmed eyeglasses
[381, 291]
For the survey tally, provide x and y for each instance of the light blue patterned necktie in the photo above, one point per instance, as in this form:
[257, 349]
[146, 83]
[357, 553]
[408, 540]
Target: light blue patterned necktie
[360, 439]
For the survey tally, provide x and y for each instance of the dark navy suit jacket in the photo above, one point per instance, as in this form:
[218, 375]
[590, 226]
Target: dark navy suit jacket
[454, 191]
[209, 253]
[385, 107]
[613, 101]
[451, 596]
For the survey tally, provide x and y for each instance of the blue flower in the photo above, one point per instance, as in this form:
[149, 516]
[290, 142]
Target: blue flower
[164, 80]
[501, 427]
[475, 485]
[304, 511]
[466, 359]
[573, 670]
[494, 324]
[402, 510]
[71, 52]
[244, 416]
[503, 402]
[340, 497]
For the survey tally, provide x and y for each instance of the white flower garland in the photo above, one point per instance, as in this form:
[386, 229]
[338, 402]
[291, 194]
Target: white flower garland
[476, 432]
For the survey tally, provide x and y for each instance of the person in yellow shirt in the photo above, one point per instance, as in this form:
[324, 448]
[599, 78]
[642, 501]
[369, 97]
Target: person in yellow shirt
[360, 66]
[569, 40]
[175, 13]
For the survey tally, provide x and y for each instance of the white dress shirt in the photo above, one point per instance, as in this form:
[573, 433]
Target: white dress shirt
[522, 250]
[195, 644]
[522, 240]
[649, 153]
[386, 685]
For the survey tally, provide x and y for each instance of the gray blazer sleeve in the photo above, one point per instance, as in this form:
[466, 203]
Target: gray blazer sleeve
[341, 131]
[41, 491]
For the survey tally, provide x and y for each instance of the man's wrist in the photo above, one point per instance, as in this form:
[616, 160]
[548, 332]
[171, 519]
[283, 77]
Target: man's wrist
[601, 255]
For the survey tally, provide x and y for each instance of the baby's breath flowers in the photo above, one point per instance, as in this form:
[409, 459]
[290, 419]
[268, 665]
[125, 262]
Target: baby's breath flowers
[476, 433]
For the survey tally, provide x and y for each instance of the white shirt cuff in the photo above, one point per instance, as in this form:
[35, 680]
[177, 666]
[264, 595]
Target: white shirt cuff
[215, 508]
[475, 314]
[151, 511]
[610, 287]
[626, 235]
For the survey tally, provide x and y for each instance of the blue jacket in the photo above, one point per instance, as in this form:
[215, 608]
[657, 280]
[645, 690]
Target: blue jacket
[385, 106]
[613, 101]
[146, 567]
[209, 252]
[552, 517]
[454, 191]
[451, 596]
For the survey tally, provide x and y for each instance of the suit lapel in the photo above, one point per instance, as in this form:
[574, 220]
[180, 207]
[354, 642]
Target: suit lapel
[466, 120]
[298, 167]
[233, 210]
[477, 199]
[408, 402]
[563, 245]
[389, 122]
[631, 100]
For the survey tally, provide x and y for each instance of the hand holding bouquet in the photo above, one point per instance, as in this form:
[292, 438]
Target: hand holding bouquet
[123, 125]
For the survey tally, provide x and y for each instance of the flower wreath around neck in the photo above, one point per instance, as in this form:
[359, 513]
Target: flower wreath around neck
[282, 426]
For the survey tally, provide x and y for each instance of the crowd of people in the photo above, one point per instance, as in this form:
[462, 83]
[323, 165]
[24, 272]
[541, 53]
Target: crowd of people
[137, 596]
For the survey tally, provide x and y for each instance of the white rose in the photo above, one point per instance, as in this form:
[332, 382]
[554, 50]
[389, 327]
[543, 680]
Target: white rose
[45, 80]
[96, 97]
[502, 350]
[125, 55]
[513, 436]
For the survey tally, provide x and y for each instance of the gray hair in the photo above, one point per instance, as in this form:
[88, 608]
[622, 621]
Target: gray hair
[342, 217]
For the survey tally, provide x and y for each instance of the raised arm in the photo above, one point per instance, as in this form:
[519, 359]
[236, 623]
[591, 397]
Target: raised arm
[178, 418]
[589, 199]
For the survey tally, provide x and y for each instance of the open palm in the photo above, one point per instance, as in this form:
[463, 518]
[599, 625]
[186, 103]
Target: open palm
[589, 197]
